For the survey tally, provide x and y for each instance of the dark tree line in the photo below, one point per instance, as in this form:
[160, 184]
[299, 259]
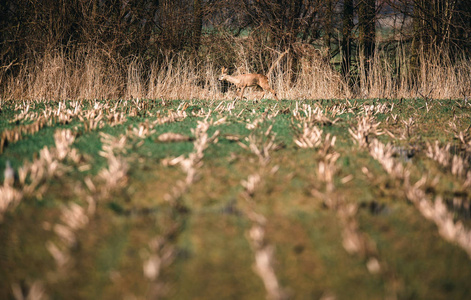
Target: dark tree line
[151, 29]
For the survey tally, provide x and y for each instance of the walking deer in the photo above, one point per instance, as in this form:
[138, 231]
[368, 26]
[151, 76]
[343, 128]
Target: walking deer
[247, 80]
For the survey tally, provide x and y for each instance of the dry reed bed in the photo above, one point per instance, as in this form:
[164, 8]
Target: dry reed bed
[91, 75]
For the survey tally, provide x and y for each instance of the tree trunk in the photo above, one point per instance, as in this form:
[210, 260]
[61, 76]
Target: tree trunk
[328, 28]
[197, 23]
[346, 44]
[367, 31]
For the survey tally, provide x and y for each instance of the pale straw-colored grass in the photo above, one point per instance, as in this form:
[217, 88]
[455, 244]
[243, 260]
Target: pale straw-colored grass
[94, 75]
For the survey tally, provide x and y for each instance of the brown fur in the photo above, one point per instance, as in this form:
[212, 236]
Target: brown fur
[248, 80]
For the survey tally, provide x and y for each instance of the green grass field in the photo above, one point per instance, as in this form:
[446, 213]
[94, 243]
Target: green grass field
[190, 199]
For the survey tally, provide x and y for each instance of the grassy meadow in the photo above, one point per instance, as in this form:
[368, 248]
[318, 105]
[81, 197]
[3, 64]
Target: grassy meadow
[211, 199]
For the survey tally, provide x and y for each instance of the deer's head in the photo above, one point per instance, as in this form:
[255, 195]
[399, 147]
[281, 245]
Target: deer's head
[223, 74]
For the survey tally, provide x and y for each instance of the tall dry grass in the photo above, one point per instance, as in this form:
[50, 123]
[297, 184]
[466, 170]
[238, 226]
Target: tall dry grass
[96, 75]
[437, 77]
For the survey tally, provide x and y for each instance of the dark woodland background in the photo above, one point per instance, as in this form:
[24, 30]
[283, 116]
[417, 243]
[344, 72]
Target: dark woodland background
[344, 32]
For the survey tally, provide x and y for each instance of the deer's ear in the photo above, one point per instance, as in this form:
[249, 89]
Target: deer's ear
[223, 70]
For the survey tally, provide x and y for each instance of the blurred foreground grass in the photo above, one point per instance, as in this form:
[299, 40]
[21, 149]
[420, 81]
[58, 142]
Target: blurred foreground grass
[128, 217]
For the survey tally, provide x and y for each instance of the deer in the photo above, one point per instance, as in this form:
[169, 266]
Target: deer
[249, 80]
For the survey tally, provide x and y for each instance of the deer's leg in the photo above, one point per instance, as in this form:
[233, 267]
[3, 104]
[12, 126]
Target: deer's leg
[242, 92]
[274, 94]
[264, 92]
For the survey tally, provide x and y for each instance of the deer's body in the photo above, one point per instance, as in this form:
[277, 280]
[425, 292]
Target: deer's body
[248, 80]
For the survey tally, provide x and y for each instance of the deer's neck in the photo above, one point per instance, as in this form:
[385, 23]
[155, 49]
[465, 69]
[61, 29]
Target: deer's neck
[233, 79]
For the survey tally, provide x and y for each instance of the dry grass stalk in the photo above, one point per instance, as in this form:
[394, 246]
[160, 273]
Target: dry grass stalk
[33, 291]
[170, 137]
[408, 128]
[264, 252]
[309, 137]
[384, 154]
[439, 154]
[9, 198]
[264, 260]
[251, 185]
[379, 108]
[114, 175]
[458, 165]
[88, 74]
[73, 219]
[92, 121]
[464, 137]
[438, 213]
[312, 115]
[366, 127]
[49, 164]
[172, 117]
[161, 255]
[10, 136]
[193, 162]
[353, 239]
[143, 130]
[327, 169]
[260, 142]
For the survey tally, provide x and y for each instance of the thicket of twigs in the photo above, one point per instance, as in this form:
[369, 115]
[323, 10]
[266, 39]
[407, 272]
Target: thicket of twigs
[305, 74]
[175, 49]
